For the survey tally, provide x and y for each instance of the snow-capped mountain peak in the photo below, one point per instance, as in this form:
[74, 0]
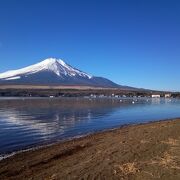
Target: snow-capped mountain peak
[56, 66]
[53, 71]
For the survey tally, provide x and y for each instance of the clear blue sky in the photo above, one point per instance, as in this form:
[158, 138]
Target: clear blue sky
[132, 42]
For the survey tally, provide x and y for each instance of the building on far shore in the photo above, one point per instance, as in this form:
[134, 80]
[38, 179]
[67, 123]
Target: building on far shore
[155, 96]
[167, 95]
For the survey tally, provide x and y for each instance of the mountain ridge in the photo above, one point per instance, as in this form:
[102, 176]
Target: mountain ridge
[53, 71]
[51, 64]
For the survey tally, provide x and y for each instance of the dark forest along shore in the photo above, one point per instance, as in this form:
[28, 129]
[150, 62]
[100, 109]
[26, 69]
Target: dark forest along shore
[30, 122]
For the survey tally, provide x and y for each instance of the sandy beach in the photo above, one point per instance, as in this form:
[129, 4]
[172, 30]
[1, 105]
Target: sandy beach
[145, 151]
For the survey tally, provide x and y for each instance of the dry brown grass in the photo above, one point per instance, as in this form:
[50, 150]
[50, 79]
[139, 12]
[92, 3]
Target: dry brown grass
[128, 168]
[171, 141]
[143, 141]
[166, 161]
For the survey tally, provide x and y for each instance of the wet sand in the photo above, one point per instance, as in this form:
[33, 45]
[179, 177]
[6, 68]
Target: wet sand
[146, 151]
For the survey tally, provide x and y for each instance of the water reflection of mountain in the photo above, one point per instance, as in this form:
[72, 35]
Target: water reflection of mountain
[48, 116]
[28, 122]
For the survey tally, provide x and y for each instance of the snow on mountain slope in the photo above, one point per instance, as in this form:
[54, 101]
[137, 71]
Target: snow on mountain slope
[57, 66]
[53, 71]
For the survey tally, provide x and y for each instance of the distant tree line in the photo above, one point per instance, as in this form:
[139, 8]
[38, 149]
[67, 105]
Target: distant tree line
[78, 93]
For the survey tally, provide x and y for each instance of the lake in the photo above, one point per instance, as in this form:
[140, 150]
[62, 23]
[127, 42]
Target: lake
[29, 122]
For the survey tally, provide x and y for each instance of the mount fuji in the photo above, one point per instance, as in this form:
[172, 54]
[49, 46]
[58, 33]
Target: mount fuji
[53, 71]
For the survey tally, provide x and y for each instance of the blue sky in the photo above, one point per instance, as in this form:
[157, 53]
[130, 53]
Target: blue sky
[132, 42]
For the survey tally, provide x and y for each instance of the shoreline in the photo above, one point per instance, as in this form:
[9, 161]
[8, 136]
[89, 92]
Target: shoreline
[78, 137]
[84, 150]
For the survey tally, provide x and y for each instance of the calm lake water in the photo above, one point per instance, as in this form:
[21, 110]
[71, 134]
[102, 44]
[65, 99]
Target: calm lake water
[27, 123]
